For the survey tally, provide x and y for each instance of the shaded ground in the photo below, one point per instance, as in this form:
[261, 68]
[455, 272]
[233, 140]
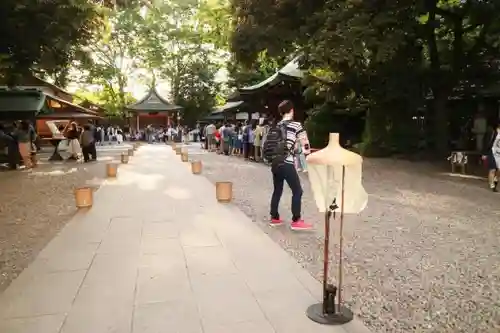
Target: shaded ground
[423, 257]
[35, 205]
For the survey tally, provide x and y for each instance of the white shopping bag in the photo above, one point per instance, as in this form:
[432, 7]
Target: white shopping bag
[63, 145]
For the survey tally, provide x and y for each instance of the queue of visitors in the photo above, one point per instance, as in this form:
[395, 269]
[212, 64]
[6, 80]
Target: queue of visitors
[244, 139]
[283, 145]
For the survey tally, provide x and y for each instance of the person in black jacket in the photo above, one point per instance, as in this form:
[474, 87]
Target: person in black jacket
[491, 156]
[96, 137]
[87, 141]
[13, 155]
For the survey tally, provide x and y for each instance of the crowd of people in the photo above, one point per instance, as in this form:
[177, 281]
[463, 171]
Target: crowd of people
[80, 141]
[108, 134]
[20, 142]
[153, 134]
[246, 140]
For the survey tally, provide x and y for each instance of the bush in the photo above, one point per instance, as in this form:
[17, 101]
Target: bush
[327, 119]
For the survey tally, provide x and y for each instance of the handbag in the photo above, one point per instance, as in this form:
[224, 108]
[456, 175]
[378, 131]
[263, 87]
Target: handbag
[63, 145]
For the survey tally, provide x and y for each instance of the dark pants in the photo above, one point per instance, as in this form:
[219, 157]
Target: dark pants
[491, 163]
[88, 151]
[226, 147]
[246, 149]
[13, 155]
[281, 173]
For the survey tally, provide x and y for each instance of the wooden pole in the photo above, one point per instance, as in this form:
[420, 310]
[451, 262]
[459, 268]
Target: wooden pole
[326, 251]
[341, 240]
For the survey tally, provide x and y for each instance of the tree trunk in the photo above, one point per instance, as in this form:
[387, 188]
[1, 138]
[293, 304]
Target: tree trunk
[441, 125]
[375, 133]
[121, 96]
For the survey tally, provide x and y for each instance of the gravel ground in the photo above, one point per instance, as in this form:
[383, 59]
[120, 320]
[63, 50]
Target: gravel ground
[423, 257]
[35, 205]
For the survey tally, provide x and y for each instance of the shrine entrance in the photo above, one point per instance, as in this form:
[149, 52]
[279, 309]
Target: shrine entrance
[153, 110]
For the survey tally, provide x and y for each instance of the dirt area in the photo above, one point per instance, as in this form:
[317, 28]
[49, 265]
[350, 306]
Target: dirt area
[422, 257]
[35, 205]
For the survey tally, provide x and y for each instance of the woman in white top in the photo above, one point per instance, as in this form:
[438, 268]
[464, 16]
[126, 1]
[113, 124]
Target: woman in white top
[492, 157]
[72, 135]
[119, 137]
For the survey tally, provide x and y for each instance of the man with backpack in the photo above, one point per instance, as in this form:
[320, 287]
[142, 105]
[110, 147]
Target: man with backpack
[278, 149]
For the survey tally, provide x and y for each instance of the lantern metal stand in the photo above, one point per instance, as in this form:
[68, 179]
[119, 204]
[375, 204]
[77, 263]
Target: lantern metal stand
[331, 312]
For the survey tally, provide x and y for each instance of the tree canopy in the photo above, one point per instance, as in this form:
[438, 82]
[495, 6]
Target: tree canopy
[44, 36]
[393, 55]
[113, 57]
[176, 43]
[106, 47]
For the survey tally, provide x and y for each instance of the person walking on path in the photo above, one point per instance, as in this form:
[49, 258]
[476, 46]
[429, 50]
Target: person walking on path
[210, 136]
[251, 138]
[222, 129]
[257, 140]
[217, 137]
[492, 157]
[87, 140]
[149, 134]
[227, 134]
[23, 137]
[74, 148]
[7, 141]
[265, 130]
[246, 140]
[279, 148]
[96, 134]
[238, 140]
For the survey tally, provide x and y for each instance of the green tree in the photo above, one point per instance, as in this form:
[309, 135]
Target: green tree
[243, 74]
[104, 99]
[437, 47]
[214, 16]
[114, 58]
[43, 36]
[196, 90]
[183, 49]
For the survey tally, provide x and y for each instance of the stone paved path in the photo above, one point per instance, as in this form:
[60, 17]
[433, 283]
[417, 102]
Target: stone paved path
[156, 254]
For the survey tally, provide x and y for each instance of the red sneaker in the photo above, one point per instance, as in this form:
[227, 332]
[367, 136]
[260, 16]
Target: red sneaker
[275, 222]
[301, 225]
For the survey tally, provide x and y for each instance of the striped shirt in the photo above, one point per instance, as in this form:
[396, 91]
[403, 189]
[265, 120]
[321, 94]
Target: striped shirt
[295, 135]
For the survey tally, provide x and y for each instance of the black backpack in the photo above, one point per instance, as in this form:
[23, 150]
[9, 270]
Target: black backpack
[275, 149]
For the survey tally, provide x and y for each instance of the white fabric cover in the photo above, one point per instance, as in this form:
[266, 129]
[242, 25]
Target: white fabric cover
[326, 183]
